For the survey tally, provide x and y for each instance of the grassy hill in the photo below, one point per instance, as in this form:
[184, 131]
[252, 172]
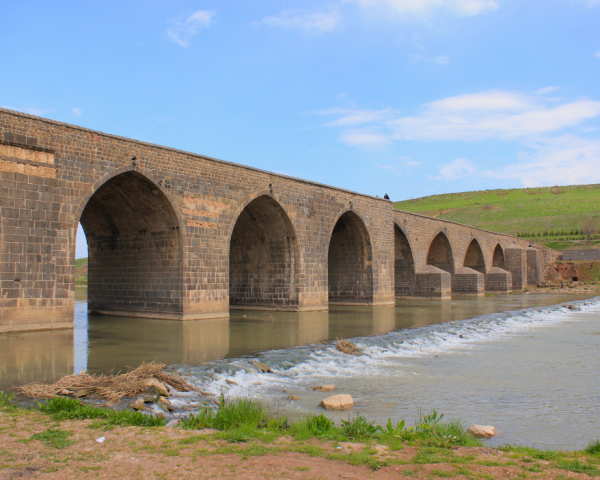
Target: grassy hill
[81, 271]
[552, 216]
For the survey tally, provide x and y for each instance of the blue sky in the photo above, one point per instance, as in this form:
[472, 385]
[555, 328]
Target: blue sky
[408, 97]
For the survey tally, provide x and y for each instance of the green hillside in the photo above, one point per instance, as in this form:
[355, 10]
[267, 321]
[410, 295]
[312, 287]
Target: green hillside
[81, 271]
[558, 217]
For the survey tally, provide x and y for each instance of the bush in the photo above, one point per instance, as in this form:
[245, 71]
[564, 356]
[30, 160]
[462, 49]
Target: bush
[359, 428]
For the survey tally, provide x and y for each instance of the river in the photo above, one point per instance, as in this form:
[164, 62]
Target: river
[522, 362]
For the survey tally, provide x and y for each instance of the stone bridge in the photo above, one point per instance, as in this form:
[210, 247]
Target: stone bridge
[176, 235]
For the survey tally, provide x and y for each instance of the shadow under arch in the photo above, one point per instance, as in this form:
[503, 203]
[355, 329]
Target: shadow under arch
[404, 266]
[498, 257]
[350, 261]
[474, 257]
[440, 253]
[263, 257]
[135, 247]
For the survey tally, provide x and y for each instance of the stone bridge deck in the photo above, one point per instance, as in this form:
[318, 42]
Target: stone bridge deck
[177, 235]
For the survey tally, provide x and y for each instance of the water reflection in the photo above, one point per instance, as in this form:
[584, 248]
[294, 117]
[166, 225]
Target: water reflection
[103, 343]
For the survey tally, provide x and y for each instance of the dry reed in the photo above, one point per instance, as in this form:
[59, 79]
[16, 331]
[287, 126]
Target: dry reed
[108, 386]
[346, 346]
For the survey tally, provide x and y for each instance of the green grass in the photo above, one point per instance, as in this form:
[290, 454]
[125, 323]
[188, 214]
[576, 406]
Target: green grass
[62, 408]
[529, 210]
[54, 438]
[81, 271]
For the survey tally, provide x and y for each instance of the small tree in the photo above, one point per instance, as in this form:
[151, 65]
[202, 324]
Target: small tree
[590, 227]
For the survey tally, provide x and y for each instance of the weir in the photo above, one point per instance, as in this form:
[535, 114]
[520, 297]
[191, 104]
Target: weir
[180, 236]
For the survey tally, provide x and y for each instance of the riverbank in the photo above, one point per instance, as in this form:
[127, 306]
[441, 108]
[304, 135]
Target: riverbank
[37, 445]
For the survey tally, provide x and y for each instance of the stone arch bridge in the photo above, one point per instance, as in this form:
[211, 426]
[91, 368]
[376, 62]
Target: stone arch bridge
[176, 235]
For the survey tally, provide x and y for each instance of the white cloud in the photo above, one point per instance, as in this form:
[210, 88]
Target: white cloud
[350, 117]
[365, 138]
[303, 20]
[420, 7]
[459, 168]
[184, 29]
[76, 111]
[552, 151]
[545, 90]
[441, 60]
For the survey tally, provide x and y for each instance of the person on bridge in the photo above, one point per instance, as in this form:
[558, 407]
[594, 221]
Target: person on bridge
[386, 196]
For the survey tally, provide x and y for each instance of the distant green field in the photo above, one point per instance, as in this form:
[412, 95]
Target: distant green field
[553, 216]
[81, 271]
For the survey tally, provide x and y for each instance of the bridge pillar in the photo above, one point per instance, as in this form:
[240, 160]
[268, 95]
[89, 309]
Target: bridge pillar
[498, 280]
[467, 281]
[534, 267]
[516, 264]
[433, 282]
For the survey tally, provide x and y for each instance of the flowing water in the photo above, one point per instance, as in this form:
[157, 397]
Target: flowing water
[523, 363]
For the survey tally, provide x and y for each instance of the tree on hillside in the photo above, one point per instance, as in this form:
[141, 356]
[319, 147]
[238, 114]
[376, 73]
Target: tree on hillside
[590, 228]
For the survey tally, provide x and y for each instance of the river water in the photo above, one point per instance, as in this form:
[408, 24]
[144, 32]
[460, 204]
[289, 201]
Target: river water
[523, 363]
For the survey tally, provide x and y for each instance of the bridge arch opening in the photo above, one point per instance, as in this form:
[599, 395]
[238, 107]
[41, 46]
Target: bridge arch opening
[440, 253]
[474, 257]
[404, 267]
[135, 258]
[498, 258]
[263, 257]
[350, 261]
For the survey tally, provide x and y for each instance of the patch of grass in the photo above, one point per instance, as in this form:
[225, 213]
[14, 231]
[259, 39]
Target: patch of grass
[576, 466]
[593, 448]
[6, 400]
[230, 415]
[359, 428]
[63, 408]
[54, 438]
[534, 453]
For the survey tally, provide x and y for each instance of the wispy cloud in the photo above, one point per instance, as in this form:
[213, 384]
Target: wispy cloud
[548, 132]
[305, 20]
[546, 90]
[421, 7]
[30, 110]
[185, 28]
[76, 111]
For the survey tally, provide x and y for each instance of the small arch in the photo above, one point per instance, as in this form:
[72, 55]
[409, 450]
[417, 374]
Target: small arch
[263, 256]
[135, 247]
[404, 267]
[350, 261]
[474, 257]
[498, 257]
[440, 253]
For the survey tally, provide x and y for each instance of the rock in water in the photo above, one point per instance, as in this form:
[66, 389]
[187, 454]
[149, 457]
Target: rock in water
[137, 404]
[486, 431]
[346, 346]
[261, 367]
[338, 402]
[81, 394]
[324, 388]
[163, 403]
[148, 398]
[231, 382]
[293, 397]
[157, 387]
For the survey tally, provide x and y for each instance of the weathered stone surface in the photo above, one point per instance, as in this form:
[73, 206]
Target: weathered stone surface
[337, 402]
[137, 404]
[324, 388]
[261, 367]
[163, 403]
[486, 431]
[293, 397]
[158, 388]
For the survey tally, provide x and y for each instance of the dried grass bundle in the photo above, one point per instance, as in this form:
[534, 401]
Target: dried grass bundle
[111, 387]
[346, 346]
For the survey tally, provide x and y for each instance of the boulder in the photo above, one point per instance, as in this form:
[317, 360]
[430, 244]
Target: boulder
[157, 387]
[293, 397]
[137, 404]
[81, 394]
[261, 367]
[338, 402]
[346, 346]
[231, 382]
[324, 388]
[486, 431]
[149, 398]
[163, 403]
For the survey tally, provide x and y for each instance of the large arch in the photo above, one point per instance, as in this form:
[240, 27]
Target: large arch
[498, 258]
[404, 267]
[135, 249]
[263, 257]
[474, 257]
[350, 261]
[440, 253]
